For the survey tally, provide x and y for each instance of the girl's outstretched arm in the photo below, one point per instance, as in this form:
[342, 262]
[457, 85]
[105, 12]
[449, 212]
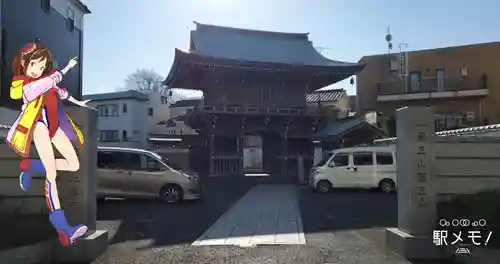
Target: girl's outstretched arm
[32, 90]
[80, 103]
[63, 93]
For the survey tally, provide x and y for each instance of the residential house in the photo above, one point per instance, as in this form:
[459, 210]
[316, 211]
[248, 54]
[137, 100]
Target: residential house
[124, 118]
[332, 103]
[461, 84]
[343, 133]
[181, 107]
[58, 24]
[159, 105]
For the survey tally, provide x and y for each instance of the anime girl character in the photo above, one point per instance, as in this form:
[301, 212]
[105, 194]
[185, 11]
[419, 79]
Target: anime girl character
[43, 120]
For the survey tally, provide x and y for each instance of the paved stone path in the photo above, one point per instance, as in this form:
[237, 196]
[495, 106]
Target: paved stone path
[266, 215]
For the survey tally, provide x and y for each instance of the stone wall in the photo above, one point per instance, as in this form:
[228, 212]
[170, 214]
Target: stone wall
[463, 164]
[466, 165]
[432, 168]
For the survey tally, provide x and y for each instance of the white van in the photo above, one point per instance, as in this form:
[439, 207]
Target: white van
[357, 167]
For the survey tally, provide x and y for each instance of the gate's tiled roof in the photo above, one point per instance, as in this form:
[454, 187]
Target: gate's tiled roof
[325, 96]
[258, 46]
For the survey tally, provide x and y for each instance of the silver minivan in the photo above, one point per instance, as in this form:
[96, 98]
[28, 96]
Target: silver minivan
[138, 173]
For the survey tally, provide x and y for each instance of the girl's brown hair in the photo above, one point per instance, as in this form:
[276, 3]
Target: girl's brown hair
[29, 52]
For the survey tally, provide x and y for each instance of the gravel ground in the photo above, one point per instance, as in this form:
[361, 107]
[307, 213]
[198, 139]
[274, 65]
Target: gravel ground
[342, 227]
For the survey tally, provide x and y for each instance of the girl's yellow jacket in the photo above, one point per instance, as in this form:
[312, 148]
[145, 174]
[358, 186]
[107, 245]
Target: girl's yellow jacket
[21, 132]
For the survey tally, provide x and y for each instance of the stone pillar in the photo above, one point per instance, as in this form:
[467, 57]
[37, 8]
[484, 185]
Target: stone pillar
[415, 191]
[77, 192]
[77, 189]
[416, 195]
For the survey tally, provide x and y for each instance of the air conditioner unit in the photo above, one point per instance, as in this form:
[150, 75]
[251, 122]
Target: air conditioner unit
[394, 65]
[463, 72]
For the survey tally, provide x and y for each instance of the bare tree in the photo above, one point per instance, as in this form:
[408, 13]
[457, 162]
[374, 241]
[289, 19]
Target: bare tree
[144, 80]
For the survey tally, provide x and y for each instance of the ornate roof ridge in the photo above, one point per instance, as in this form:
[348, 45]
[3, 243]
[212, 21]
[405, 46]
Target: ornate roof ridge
[293, 35]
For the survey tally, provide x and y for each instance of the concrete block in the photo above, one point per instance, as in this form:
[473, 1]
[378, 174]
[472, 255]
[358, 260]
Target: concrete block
[85, 250]
[412, 247]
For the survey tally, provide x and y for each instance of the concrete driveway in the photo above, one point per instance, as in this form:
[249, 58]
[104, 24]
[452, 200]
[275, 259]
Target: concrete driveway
[252, 221]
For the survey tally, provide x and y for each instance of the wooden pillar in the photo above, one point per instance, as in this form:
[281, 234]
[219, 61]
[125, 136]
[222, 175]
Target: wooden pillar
[240, 147]
[312, 147]
[284, 160]
[211, 146]
[285, 149]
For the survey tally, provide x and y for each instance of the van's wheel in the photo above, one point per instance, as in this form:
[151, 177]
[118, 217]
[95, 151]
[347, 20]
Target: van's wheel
[324, 186]
[171, 193]
[386, 186]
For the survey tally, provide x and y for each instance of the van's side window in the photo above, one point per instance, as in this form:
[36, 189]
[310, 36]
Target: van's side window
[363, 158]
[142, 162]
[152, 164]
[133, 161]
[109, 160]
[384, 158]
[339, 160]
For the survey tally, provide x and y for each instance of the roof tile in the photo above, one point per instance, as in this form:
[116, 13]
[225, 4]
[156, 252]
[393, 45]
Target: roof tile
[325, 96]
[258, 46]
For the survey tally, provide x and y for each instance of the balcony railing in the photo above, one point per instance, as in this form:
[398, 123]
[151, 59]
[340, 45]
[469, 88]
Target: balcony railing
[433, 85]
[252, 109]
[456, 122]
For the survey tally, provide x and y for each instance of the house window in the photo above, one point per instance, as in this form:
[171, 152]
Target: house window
[124, 135]
[108, 135]
[415, 81]
[71, 20]
[150, 111]
[440, 79]
[107, 110]
[46, 5]
[124, 108]
[454, 120]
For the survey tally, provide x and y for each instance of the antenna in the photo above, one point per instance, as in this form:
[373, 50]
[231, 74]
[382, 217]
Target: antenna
[388, 38]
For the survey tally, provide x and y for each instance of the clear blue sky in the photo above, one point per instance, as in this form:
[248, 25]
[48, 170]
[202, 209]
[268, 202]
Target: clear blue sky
[123, 35]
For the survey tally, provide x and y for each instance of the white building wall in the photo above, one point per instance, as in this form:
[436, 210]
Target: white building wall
[135, 121]
[161, 111]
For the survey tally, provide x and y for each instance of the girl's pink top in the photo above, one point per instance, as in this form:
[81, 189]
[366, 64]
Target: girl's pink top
[36, 88]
